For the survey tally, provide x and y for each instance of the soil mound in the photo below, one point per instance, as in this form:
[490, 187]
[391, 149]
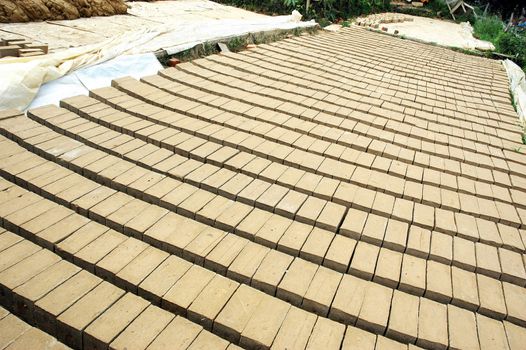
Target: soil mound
[41, 10]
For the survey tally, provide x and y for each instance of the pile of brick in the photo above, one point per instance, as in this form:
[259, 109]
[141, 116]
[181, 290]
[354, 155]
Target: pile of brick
[376, 19]
[19, 47]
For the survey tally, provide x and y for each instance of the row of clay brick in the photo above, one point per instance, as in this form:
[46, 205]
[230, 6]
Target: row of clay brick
[374, 229]
[438, 283]
[333, 78]
[210, 178]
[485, 164]
[488, 165]
[83, 310]
[346, 164]
[16, 334]
[371, 306]
[433, 82]
[484, 74]
[434, 79]
[233, 311]
[243, 66]
[188, 145]
[340, 111]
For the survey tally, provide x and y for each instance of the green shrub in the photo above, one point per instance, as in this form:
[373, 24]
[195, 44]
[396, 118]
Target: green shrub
[331, 10]
[488, 28]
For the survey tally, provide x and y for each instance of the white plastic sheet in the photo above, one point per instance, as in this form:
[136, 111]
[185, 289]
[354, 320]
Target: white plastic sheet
[83, 80]
[518, 88]
[21, 78]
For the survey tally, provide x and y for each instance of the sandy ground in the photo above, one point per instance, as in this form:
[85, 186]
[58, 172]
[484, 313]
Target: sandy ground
[65, 34]
[446, 33]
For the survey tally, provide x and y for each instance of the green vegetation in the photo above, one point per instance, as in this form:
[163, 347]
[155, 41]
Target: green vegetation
[511, 43]
[324, 11]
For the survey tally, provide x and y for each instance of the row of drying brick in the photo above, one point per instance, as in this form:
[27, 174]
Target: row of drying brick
[410, 318]
[266, 58]
[384, 137]
[443, 116]
[374, 229]
[412, 191]
[198, 148]
[82, 310]
[481, 77]
[484, 72]
[15, 334]
[440, 286]
[333, 143]
[371, 123]
[337, 93]
[233, 311]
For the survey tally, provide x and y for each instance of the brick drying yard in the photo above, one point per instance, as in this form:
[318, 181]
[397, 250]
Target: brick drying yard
[345, 190]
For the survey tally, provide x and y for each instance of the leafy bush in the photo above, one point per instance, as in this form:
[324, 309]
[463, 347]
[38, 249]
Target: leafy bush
[488, 28]
[329, 9]
[509, 43]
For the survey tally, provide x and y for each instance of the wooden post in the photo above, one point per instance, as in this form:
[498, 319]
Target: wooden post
[307, 7]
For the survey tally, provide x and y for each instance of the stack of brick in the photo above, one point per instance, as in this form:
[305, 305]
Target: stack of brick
[19, 47]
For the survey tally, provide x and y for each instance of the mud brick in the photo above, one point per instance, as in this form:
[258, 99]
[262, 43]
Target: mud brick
[491, 333]
[296, 281]
[233, 318]
[396, 235]
[144, 329]
[353, 223]
[72, 322]
[246, 263]
[441, 248]
[339, 254]
[326, 334]
[179, 333]
[464, 254]
[47, 309]
[462, 328]
[388, 268]
[271, 271]
[186, 289]
[348, 301]
[403, 320]
[512, 267]
[316, 245]
[364, 261]
[492, 303]
[432, 325]
[515, 334]
[374, 229]
[109, 325]
[295, 330]
[515, 302]
[321, 291]
[355, 338]
[487, 260]
[263, 326]
[413, 277]
[374, 313]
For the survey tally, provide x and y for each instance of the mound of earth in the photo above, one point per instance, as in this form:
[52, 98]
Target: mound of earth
[41, 10]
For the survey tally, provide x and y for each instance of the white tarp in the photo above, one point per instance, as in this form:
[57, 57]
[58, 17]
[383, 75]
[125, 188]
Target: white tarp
[21, 78]
[80, 82]
[518, 88]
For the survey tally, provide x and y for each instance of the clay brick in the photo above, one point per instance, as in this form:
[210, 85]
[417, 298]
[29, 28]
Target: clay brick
[491, 333]
[271, 271]
[388, 268]
[296, 281]
[348, 300]
[432, 325]
[295, 330]
[355, 339]
[321, 291]
[353, 224]
[462, 328]
[363, 263]
[413, 277]
[491, 297]
[515, 297]
[327, 334]
[232, 320]
[179, 333]
[403, 320]
[374, 313]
